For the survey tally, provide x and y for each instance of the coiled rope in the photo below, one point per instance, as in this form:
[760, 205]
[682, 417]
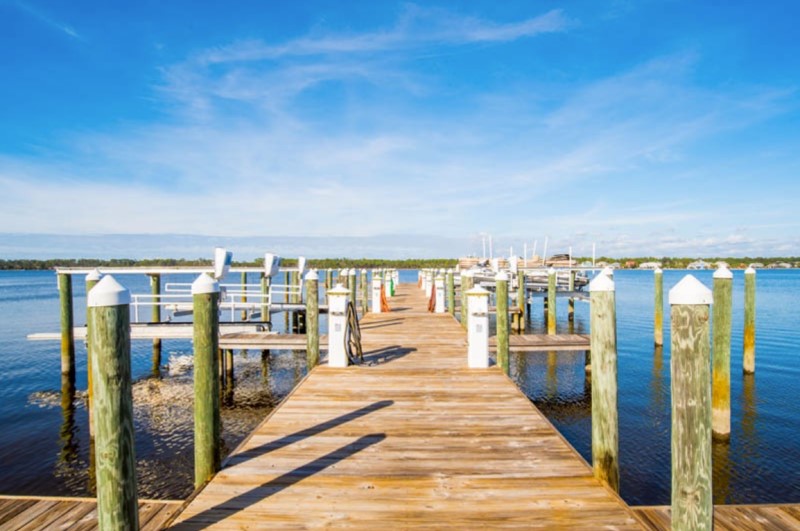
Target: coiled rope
[352, 336]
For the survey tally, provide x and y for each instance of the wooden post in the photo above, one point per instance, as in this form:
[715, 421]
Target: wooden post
[155, 317]
[605, 423]
[67, 335]
[110, 346]
[312, 319]
[692, 506]
[451, 292]
[749, 358]
[466, 285]
[351, 285]
[205, 299]
[571, 307]
[265, 317]
[521, 301]
[658, 319]
[244, 293]
[364, 292]
[721, 356]
[501, 282]
[91, 281]
[551, 301]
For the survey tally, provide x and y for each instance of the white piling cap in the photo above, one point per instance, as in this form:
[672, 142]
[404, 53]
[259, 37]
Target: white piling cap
[94, 274]
[450, 271]
[351, 273]
[750, 270]
[658, 271]
[363, 271]
[601, 283]
[690, 291]
[204, 284]
[467, 273]
[551, 271]
[312, 275]
[477, 291]
[339, 289]
[608, 271]
[723, 272]
[108, 292]
[501, 276]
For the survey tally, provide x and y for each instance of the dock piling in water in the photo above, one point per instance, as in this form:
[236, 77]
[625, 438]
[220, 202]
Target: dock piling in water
[692, 502]
[721, 356]
[91, 281]
[312, 319]
[658, 314]
[67, 334]
[110, 346]
[155, 317]
[501, 283]
[749, 354]
[551, 301]
[205, 302]
[605, 423]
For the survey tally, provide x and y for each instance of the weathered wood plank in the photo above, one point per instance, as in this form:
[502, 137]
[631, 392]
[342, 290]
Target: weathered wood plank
[417, 440]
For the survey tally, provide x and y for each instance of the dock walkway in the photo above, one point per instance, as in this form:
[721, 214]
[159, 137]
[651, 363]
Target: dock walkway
[412, 440]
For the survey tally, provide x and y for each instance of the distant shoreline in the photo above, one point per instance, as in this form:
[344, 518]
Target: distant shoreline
[789, 262]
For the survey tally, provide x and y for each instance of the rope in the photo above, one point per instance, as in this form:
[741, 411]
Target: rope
[384, 302]
[432, 300]
[352, 336]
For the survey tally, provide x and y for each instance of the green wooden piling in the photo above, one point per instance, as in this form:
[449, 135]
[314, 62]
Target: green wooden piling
[205, 303]
[351, 285]
[551, 301]
[312, 319]
[265, 317]
[692, 506]
[364, 292]
[110, 346]
[67, 335]
[91, 281]
[721, 355]
[155, 317]
[244, 293]
[658, 318]
[571, 306]
[466, 285]
[749, 357]
[501, 282]
[451, 292]
[521, 301]
[605, 423]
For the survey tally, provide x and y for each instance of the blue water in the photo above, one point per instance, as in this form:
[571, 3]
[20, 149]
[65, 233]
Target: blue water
[44, 447]
[762, 461]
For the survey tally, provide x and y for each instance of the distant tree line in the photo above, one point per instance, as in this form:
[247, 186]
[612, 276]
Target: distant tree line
[682, 262]
[318, 263]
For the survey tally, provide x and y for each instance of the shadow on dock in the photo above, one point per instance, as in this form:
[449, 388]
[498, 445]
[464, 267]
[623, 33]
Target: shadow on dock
[246, 499]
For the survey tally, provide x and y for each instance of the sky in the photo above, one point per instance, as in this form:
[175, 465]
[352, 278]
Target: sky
[399, 129]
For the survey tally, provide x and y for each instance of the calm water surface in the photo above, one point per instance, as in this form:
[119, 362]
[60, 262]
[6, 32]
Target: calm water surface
[44, 444]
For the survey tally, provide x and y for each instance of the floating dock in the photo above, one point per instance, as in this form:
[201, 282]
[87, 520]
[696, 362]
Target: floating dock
[416, 440]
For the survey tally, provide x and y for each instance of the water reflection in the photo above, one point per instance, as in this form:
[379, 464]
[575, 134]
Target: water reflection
[657, 381]
[551, 386]
[67, 434]
[156, 365]
[721, 474]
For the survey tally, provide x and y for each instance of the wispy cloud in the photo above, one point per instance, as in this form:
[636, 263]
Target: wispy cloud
[47, 19]
[340, 133]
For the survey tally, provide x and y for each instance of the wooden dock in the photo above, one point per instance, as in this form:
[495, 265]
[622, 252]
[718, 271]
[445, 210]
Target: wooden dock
[415, 440]
[732, 517]
[79, 514]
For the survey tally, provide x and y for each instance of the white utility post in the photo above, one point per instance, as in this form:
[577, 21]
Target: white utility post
[338, 298]
[478, 328]
[376, 291]
[440, 306]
